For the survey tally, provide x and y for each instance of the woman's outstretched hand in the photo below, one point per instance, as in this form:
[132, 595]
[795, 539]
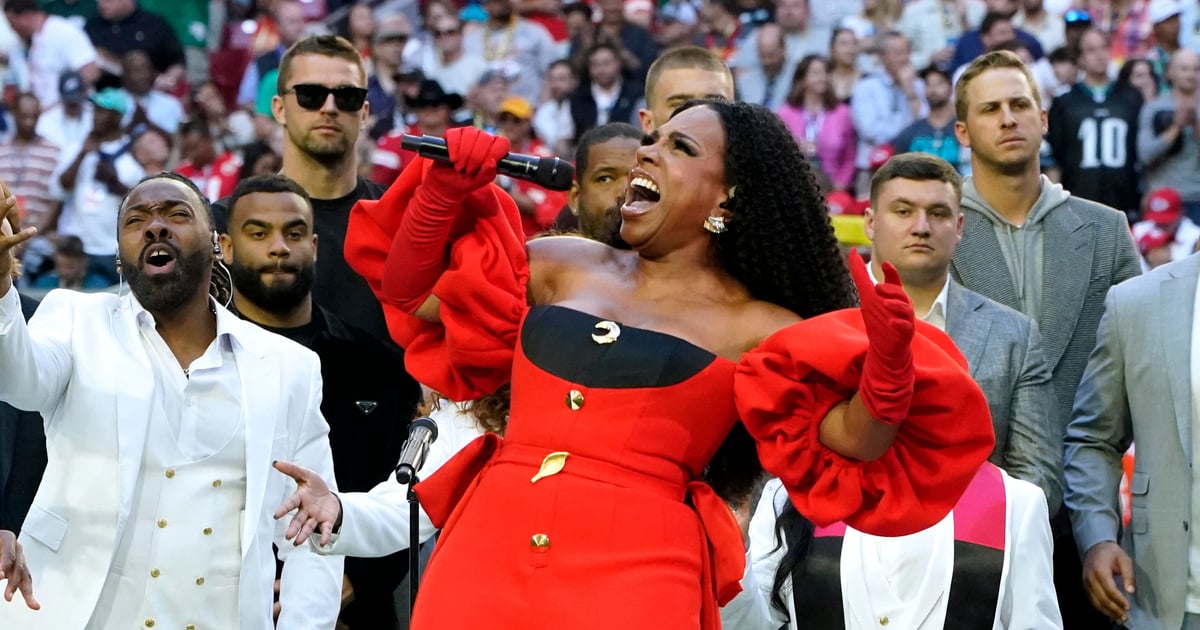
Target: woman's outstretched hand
[319, 509]
[887, 381]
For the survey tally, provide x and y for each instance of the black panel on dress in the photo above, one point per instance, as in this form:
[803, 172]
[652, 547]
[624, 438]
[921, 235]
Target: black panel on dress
[817, 586]
[559, 341]
[975, 586]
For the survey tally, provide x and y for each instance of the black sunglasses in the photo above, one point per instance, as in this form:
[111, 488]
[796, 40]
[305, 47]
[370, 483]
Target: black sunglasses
[312, 96]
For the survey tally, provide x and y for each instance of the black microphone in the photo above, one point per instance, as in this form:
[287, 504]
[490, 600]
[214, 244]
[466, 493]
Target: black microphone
[547, 172]
[421, 433]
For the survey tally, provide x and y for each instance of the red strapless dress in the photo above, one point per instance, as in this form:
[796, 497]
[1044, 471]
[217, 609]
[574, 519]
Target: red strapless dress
[588, 514]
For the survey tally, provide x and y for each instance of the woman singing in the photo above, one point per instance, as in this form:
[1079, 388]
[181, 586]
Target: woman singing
[629, 369]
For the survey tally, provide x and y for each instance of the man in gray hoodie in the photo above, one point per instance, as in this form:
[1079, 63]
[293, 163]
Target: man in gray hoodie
[1030, 245]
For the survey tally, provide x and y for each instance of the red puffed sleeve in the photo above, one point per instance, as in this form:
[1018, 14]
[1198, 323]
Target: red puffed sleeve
[786, 386]
[482, 291]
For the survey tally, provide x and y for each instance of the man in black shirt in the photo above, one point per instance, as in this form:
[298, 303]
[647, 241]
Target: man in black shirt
[121, 26]
[1093, 131]
[368, 399]
[322, 128]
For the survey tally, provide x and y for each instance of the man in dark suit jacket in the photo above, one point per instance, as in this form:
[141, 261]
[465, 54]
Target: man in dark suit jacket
[22, 454]
[914, 223]
[368, 397]
[1032, 246]
[604, 96]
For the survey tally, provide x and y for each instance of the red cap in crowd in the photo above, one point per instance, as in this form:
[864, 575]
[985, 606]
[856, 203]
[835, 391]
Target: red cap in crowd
[879, 156]
[1163, 206]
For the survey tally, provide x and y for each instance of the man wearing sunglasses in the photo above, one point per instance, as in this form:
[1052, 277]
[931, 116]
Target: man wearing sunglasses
[321, 103]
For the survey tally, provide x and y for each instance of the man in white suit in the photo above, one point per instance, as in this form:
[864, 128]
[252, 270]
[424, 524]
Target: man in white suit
[1140, 384]
[163, 414]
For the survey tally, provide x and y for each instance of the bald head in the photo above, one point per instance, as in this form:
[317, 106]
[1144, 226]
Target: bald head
[1183, 71]
[771, 48]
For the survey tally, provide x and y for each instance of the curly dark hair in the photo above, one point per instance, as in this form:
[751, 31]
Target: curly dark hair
[780, 242]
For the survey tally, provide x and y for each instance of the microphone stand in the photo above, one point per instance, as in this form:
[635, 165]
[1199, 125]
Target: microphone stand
[414, 545]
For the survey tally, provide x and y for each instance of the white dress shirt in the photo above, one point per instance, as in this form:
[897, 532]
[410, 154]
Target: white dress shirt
[937, 312]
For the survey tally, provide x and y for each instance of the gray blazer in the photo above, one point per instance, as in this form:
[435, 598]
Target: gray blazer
[1004, 352]
[1088, 249]
[1138, 386]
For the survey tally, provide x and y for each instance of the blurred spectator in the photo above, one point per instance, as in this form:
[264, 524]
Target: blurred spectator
[538, 206]
[1127, 22]
[393, 112]
[934, 27]
[152, 150]
[288, 21]
[876, 18]
[996, 27]
[515, 45]
[1047, 27]
[259, 158]
[1093, 132]
[446, 61]
[121, 26]
[1162, 214]
[820, 123]
[71, 269]
[1075, 23]
[146, 103]
[677, 24]
[679, 75]
[1165, 22]
[1066, 73]
[635, 46]
[358, 27]
[934, 134]
[604, 95]
[53, 46]
[720, 30]
[387, 66]
[552, 121]
[215, 173]
[27, 162]
[766, 77]
[432, 107]
[1167, 134]
[485, 99]
[1140, 75]
[99, 172]
[578, 19]
[844, 72]
[886, 101]
[70, 121]
[231, 130]
[189, 20]
[800, 37]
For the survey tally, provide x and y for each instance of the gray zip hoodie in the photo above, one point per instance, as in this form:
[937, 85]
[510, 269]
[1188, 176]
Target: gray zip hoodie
[1023, 246]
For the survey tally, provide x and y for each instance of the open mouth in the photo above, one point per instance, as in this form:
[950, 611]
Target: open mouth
[642, 194]
[159, 258]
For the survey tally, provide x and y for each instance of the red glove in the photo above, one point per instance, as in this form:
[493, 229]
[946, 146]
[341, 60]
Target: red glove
[886, 387]
[418, 254]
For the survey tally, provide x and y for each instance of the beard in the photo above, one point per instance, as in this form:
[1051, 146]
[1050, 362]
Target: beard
[327, 151]
[165, 293]
[606, 227]
[278, 298]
